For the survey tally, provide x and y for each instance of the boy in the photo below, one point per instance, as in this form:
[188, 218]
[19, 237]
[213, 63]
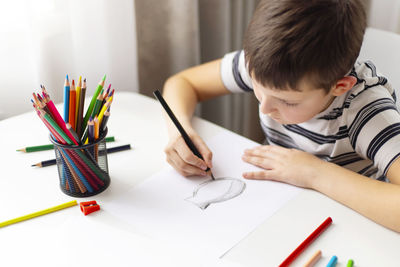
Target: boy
[331, 122]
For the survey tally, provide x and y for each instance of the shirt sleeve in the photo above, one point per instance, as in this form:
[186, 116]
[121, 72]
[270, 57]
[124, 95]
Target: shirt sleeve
[234, 73]
[374, 130]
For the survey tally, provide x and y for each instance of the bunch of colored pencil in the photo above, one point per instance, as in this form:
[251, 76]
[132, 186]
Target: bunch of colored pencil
[97, 113]
[82, 169]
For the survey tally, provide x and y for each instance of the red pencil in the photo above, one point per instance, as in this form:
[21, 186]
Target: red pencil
[306, 242]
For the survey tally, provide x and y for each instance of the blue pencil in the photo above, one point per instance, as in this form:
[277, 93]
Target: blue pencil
[66, 99]
[332, 262]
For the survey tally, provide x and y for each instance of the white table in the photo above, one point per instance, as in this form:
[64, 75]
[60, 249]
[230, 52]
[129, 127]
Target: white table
[67, 238]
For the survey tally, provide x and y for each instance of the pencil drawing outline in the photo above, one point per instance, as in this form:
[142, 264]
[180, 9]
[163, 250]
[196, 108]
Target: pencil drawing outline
[227, 195]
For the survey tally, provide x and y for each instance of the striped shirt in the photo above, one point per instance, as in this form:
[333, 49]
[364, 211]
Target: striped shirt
[359, 131]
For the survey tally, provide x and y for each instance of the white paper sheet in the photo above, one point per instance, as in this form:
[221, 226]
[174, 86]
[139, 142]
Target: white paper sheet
[157, 207]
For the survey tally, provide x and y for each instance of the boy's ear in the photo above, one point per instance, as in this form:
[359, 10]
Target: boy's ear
[343, 85]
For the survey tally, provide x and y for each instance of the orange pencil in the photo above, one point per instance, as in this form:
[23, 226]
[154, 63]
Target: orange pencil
[96, 136]
[72, 105]
[314, 258]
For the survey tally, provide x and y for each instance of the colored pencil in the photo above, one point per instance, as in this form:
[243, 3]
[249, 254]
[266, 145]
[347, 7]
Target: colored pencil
[96, 136]
[97, 105]
[332, 262]
[350, 263]
[39, 213]
[105, 120]
[30, 149]
[105, 95]
[96, 110]
[77, 99]
[36, 148]
[110, 150]
[79, 120]
[72, 166]
[46, 96]
[92, 102]
[313, 260]
[104, 108]
[306, 242]
[86, 171]
[50, 126]
[57, 128]
[66, 99]
[91, 130]
[178, 125]
[73, 178]
[58, 119]
[40, 103]
[73, 133]
[67, 180]
[72, 105]
[96, 128]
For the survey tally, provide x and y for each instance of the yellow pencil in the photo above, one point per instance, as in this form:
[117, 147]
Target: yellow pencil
[39, 213]
[101, 114]
[104, 108]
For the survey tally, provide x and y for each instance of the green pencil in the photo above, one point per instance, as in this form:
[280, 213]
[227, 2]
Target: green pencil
[92, 102]
[29, 149]
[36, 148]
[350, 263]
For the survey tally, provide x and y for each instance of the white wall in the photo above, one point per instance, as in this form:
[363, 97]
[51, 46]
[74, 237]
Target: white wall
[43, 40]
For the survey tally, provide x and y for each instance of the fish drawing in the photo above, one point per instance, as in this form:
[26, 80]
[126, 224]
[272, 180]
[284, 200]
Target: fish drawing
[218, 190]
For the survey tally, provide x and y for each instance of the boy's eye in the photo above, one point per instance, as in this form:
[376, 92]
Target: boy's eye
[289, 104]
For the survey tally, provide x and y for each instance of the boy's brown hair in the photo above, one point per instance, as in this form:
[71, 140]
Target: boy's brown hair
[290, 40]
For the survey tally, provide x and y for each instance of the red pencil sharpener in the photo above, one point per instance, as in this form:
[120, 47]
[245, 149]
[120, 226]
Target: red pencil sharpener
[89, 207]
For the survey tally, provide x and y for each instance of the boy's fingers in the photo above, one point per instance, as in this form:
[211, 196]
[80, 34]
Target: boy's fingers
[204, 151]
[182, 167]
[260, 175]
[257, 161]
[187, 156]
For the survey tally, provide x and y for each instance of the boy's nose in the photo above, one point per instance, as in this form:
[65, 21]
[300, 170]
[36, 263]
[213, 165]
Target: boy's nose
[267, 105]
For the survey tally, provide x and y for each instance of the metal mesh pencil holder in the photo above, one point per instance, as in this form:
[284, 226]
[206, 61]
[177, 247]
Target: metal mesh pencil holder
[83, 170]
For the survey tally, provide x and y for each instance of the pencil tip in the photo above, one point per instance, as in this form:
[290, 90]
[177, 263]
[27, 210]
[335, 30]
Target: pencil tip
[73, 82]
[84, 80]
[66, 77]
[104, 77]
[80, 78]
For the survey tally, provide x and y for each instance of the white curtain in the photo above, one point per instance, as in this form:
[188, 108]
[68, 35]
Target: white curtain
[43, 40]
[384, 15]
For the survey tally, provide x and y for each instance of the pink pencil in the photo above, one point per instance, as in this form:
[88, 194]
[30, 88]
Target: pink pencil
[57, 117]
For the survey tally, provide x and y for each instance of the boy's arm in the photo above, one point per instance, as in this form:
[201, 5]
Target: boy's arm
[182, 92]
[376, 200]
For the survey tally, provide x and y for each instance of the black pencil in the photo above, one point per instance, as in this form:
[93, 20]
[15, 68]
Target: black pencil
[178, 125]
[51, 162]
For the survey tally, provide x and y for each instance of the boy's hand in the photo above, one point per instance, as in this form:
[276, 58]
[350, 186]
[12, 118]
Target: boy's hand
[182, 159]
[290, 166]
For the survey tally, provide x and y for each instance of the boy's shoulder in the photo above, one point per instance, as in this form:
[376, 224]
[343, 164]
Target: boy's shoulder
[371, 85]
[372, 92]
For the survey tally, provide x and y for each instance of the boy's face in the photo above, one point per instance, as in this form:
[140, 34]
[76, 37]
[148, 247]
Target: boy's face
[292, 107]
